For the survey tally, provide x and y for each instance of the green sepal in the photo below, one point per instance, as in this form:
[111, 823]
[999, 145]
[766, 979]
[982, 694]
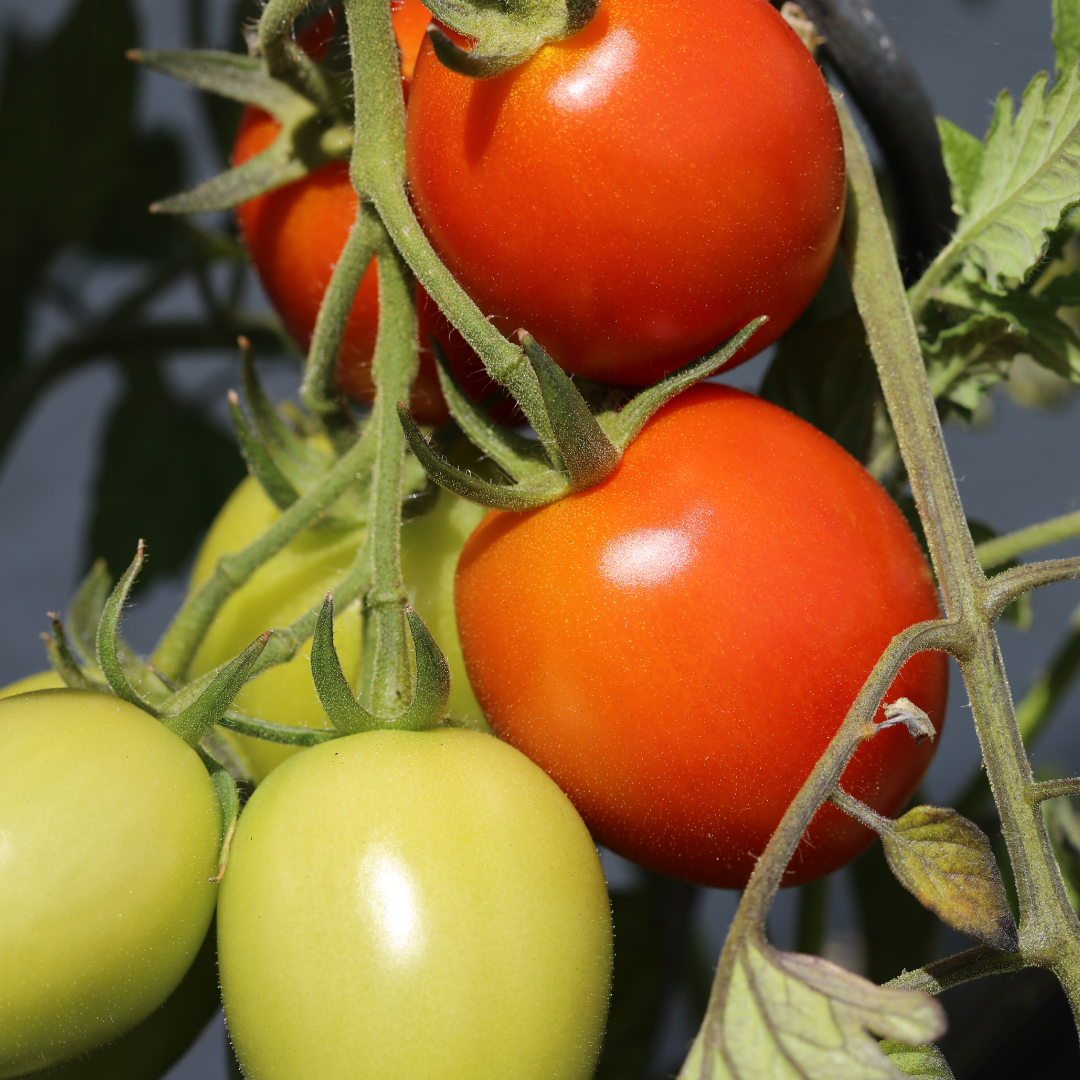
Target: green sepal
[296, 457]
[520, 458]
[62, 660]
[589, 455]
[504, 34]
[463, 62]
[268, 731]
[346, 713]
[241, 78]
[198, 718]
[108, 649]
[517, 497]
[622, 427]
[260, 463]
[924, 1062]
[228, 797]
[276, 166]
[86, 609]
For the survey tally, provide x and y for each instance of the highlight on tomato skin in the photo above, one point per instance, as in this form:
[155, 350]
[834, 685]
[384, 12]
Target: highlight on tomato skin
[295, 235]
[677, 646]
[638, 192]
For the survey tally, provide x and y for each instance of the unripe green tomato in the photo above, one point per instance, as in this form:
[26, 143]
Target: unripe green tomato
[43, 680]
[402, 904]
[297, 579]
[109, 834]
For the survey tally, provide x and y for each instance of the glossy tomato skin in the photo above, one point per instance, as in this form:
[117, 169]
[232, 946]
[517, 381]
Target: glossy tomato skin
[677, 645]
[296, 580]
[111, 831]
[414, 904]
[637, 193]
[295, 235]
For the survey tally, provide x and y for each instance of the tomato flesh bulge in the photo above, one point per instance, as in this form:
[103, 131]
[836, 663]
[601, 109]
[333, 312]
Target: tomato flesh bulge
[295, 581]
[637, 193]
[677, 646]
[414, 904]
[109, 834]
[295, 235]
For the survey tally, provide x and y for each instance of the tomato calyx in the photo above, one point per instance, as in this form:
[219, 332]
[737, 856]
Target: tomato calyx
[587, 448]
[432, 690]
[505, 35]
[308, 101]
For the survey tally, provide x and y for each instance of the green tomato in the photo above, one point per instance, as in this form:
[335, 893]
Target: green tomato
[43, 680]
[406, 904]
[109, 833]
[297, 579]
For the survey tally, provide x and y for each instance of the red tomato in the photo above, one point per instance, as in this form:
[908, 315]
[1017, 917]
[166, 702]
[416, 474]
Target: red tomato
[295, 235]
[637, 193]
[677, 646]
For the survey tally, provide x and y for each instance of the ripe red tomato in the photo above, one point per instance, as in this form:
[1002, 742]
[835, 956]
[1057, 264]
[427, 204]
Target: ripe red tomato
[677, 646]
[295, 235]
[637, 193]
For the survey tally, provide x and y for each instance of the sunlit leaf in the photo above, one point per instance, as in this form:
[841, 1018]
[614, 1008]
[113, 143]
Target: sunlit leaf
[918, 1062]
[800, 1017]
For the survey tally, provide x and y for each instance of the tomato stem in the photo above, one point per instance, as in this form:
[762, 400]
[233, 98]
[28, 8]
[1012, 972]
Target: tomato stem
[1049, 929]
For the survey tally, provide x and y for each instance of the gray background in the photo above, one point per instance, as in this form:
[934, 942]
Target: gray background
[1020, 469]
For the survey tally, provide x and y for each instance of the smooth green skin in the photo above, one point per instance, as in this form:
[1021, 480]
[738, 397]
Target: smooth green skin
[43, 680]
[109, 834]
[297, 579]
[150, 1049]
[406, 904]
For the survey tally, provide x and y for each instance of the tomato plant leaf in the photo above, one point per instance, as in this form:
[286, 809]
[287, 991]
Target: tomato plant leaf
[919, 1062]
[1066, 34]
[1026, 182]
[947, 862]
[825, 374]
[785, 1014]
[963, 154]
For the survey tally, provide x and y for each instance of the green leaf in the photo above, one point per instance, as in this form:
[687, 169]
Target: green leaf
[963, 154]
[1066, 35]
[1027, 181]
[826, 375]
[947, 863]
[165, 472]
[919, 1062]
[783, 1014]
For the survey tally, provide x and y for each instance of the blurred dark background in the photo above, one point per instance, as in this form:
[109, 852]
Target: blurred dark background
[126, 435]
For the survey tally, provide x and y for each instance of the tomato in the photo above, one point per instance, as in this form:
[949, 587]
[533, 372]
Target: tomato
[297, 579]
[294, 236]
[414, 904]
[677, 646]
[110, 830]
[637, 193]
[43, 680]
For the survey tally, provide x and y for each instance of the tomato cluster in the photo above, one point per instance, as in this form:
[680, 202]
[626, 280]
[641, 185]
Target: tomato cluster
[666, 654]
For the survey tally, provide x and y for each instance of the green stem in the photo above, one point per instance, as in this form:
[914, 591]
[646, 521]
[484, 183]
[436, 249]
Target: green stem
[378, 170]
[1049, 930]
[1003, 548]
[385, 674]
[964, 967]
[319, 390]
[181, 640]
